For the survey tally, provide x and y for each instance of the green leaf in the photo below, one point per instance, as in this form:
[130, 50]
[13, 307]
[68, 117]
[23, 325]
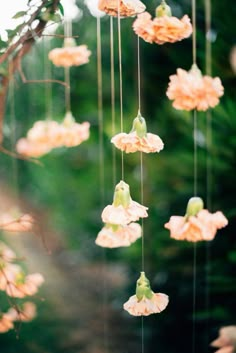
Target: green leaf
[3, 44]
[61, 9]
[19, 14]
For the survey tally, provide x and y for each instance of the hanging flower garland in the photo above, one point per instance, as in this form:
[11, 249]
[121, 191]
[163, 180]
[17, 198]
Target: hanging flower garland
[125, 8]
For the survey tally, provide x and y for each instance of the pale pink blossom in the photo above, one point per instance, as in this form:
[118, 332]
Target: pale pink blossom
[162, 29]
[226, 340]
[117, 236]
[132, 142]
[124, 215]
[6, 323]
[11, 222]
[126, 8]
[157, 303]
[25, 314]
[6, 254]
[202, 226]
[70, 55]
[74, 133]
[191, 90]
[31, 149]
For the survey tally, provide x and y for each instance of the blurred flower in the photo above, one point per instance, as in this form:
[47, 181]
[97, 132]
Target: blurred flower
[198, 223]
[70, 55]
[73, 133]
[163, 28]
[93, 8]
[145, 301]
[114, 236]
[138, 139]
[123, 209]
[6, 323]
[30, 149]
[12, 221]
[232, 58]
[226, 340]
[190, 90]
[126, 8]
[6, 254]
[25, 314]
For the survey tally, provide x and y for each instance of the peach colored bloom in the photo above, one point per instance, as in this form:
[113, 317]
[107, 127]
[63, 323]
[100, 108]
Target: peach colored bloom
[190, 90]
[145, 306]
[23, 286]
[116, 236]
[6, 323]
[70, 55]
[30, 149]
[226, 340]
[126, 8]
[6, 254]
[124, 215]
[46, 133]
[26, 314]
[11, 222]
[162, 29]
[132, 143]
[203, 226]
[74, 133]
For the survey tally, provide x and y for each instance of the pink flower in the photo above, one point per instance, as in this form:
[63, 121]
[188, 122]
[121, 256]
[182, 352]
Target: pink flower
[202, 225]
[124, 215]
[114, 236]
[30, 149]
[145, 302]
[6, 254]
[138, 139]
[70, 55]
[145, 306]
[6, 323]
[26, 314]
[190, 90]
[226, 340]
[162, 29]
[11, 222]
[74, 133]
[126, 8]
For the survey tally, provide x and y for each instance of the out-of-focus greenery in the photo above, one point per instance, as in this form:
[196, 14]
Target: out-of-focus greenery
[67, 186]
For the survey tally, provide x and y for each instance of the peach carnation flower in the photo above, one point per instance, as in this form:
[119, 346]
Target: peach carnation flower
[25, 314]
[30, 149]
[145, 302]
[70, 54]
[198, 224]
[190, 90]
[163, 28]
[14, 222]
[114, 236]
[126, 8]
[138, 139]
[74, 133]
[123, 209]
[226, 340]
[6, 323]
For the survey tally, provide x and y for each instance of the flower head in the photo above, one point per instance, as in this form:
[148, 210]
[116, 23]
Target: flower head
[191, 90]
[73, 133]
[145, 301]
[126, 8]
[163, 28]
[25, 314]
[226, 340]
[114, 236]
[138, 139]
[198, 224]
[123, 209]
[70, 55]
[6, 323]
[13, 221]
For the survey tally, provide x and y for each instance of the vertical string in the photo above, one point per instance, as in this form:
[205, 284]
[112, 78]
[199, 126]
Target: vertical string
[139, 79]
[113, 114]
[48, 75]
[121, 87]
[194, 57]
[208, 162]
[68, 33]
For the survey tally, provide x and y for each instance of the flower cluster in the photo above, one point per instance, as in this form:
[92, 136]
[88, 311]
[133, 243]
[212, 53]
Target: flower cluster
[70, 54]
[46, 135]
[119, 218]
[198, 224]
[15, 221]
[191, 90]
[145, 302]
[126, 8]
[163, 28]
[226, 342]
[138, 139]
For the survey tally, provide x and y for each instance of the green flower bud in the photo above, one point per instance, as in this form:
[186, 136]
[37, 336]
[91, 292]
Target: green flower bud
[195, 70]
[121, 195]
[69, 42]
[163, 10]
[139, 126]
[195, 205]
[143, 288]
[68, 120]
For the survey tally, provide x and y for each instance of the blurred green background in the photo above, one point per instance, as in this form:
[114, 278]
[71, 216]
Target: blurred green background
[85, 286]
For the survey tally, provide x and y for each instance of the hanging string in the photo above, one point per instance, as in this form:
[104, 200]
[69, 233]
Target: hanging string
[48, 75]
[139, 79]
[113, 112]
[68, 33]
[195, 176]
[121, 86]
[208, 162]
